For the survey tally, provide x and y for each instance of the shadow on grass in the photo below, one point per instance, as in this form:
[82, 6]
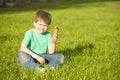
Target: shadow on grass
[78, 50]
[51, 5]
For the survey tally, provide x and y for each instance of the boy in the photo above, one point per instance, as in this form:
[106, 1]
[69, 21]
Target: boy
[37, 42]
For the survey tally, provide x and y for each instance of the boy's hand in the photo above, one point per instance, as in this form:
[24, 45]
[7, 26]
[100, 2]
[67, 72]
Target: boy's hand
[41, 60]
[54, 39]
[38, 58]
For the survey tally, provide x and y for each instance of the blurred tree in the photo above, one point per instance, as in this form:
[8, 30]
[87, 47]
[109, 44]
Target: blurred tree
[2, 2]
[14, 2]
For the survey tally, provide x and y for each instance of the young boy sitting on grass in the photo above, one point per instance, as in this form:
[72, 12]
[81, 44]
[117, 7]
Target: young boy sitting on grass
[37, 42]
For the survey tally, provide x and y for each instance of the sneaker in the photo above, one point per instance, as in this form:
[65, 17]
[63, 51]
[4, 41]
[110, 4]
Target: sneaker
[41, 70]
[50, 67]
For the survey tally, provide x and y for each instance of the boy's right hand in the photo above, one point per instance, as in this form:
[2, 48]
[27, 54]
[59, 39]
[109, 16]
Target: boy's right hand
[41, 60]
[38, 58]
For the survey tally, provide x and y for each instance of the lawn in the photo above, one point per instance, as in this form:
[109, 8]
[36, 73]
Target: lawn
[89, 38]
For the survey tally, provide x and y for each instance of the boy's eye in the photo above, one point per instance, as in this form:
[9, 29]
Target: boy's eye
[45, 26]
[42, 25]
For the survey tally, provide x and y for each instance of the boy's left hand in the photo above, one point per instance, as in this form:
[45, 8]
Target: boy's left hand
[54, 39]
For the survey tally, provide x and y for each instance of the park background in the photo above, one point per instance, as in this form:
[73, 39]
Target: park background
[89, 37]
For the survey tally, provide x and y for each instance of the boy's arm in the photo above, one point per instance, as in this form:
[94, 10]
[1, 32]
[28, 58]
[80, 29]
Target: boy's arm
[51, 49]
[35, 56]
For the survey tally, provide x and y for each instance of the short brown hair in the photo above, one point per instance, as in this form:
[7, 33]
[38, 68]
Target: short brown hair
[43, 15]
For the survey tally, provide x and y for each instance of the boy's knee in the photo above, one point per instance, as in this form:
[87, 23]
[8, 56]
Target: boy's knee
[22, 57]
[62, 58]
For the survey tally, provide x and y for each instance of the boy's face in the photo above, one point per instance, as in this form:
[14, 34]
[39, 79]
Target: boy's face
[40, 26]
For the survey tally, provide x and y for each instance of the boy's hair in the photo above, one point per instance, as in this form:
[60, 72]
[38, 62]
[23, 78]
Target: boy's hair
[43, 15]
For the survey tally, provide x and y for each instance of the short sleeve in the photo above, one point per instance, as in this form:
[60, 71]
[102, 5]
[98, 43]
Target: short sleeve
[27, 38]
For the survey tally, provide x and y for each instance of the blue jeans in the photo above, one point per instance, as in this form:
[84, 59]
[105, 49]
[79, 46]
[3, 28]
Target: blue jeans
[27, 61]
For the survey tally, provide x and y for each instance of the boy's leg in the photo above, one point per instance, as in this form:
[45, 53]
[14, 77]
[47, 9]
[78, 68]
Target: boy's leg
[26, 60]
[54, 59]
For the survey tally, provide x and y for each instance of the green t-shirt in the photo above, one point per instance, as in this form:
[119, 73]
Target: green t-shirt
[38, 43]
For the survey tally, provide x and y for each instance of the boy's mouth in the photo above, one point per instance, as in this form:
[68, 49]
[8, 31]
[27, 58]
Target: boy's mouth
[41, 30]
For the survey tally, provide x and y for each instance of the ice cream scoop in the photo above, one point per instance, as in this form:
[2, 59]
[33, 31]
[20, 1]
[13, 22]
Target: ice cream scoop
[56, 29]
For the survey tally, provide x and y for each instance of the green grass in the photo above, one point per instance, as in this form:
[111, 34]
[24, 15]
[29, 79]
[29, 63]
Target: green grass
[89, 38]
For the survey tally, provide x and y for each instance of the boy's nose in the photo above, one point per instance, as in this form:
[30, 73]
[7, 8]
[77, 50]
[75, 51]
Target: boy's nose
[42, 26]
